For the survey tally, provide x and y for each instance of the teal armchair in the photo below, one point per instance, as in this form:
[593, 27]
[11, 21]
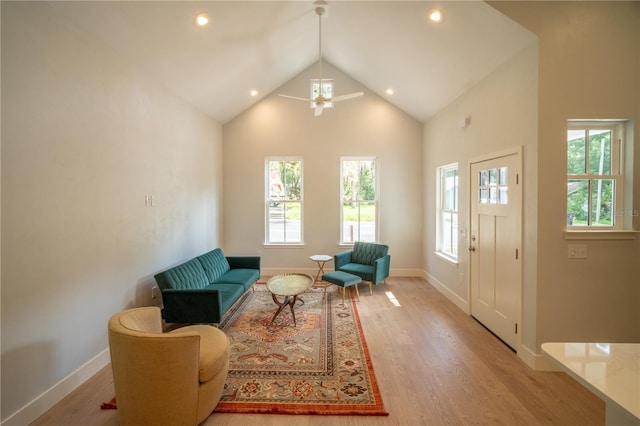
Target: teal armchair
[369, 261]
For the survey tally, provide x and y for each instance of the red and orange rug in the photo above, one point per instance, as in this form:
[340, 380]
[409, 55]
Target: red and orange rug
[321, 366]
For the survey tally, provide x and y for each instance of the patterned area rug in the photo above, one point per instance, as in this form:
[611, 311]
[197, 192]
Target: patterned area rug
[320, 366]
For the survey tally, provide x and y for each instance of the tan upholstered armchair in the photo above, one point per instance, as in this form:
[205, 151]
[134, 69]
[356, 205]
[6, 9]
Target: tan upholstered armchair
[173, 378]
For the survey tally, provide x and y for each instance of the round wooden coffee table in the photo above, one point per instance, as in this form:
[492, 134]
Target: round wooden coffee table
[289, 286]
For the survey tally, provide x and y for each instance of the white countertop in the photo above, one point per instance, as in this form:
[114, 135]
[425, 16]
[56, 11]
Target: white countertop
[610, 370]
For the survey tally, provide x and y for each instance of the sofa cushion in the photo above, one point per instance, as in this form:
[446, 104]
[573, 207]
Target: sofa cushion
[229, 293]
[367, 253]
[246, 277]
[363, 271]
[188, 275]
[214, 263]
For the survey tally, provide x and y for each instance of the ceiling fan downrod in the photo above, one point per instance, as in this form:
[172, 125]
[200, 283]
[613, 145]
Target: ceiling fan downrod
[321, 8]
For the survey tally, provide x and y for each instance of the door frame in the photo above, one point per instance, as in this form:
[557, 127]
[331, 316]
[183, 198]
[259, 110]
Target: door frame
[518, 151]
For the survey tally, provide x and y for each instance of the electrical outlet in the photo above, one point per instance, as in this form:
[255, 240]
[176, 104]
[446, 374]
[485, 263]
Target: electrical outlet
[154, 292]
[577, 251]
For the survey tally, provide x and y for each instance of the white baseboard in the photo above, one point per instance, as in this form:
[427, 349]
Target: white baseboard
[538, 362]
[57, 392]
[446, 291]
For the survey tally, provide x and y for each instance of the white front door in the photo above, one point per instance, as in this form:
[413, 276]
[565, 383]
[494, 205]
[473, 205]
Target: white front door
[495, 244]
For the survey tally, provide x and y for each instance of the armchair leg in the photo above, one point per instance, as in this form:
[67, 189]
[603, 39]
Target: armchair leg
[370, 287]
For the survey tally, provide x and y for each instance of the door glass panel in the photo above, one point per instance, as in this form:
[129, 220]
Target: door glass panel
[493, 195]
[493, 188]
[493, 177]
[503, 176]
[502, 195]
[484, 178]
[484, 196]
[503, 189]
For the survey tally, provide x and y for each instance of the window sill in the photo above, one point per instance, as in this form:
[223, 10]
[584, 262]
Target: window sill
[282, 245]
[607, 234]
[446, 258]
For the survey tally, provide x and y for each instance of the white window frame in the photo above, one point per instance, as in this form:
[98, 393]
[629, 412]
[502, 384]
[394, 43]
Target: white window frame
[269, 204]
[343, 229]
[616, 175]
[443, 211]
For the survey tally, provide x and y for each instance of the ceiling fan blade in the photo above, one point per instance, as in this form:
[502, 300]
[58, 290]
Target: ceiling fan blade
[293, 97]
[345, 97]
[318, 111]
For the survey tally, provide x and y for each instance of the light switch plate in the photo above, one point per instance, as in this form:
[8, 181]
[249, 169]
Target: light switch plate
[577, 251]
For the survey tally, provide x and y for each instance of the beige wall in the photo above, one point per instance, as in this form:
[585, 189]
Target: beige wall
[503, 113]
[588, 68]
[85, 137]
[366, 126]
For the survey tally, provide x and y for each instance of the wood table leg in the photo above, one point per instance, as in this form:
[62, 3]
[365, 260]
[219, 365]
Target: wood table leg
[287, 301]
[320, 268]
[281, 305]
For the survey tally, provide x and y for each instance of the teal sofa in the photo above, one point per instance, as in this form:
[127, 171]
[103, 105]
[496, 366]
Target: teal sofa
[202, 289]
[369, 261]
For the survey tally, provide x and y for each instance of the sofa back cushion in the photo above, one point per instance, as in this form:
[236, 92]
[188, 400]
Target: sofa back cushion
[214, 264]
[367, 253]
[188, 275]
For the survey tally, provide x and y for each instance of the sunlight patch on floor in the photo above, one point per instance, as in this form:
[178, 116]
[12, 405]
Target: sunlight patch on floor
[392, 298]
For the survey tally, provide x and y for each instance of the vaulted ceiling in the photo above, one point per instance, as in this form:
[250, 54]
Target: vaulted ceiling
[261, 45]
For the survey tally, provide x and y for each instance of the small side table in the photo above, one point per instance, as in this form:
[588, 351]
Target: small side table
[320, 259]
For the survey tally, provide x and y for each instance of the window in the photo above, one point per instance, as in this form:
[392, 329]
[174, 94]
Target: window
[493, 186]
[594, 175]
[359, 200]
[327, 91]
[283, 203]
[447, 217]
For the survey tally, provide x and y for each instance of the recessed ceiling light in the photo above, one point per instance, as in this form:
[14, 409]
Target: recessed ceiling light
[435, 15]
[254, 93]
[202, 19]
[389, 91]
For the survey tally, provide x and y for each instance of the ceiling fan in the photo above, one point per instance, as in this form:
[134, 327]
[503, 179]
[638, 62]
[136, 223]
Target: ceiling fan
[321, 101]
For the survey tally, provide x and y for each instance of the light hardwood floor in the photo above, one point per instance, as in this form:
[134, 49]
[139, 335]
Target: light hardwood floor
[435, 365]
